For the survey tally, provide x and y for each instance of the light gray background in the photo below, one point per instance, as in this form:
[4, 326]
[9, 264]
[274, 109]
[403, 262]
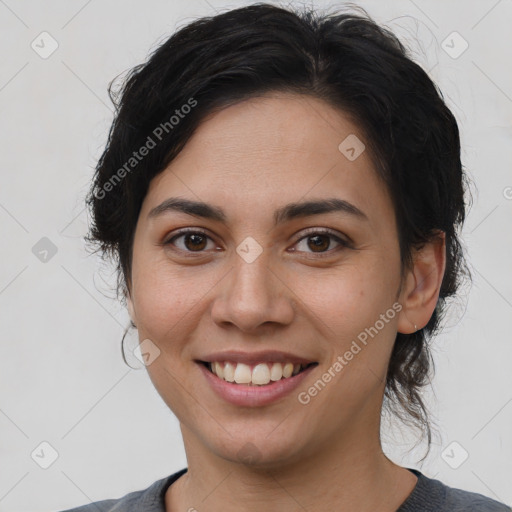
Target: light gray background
[62, 378]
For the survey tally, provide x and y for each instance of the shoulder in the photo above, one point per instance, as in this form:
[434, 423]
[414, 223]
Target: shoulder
[98, 506]
[432, 495]
[150, 499]
[458, 500]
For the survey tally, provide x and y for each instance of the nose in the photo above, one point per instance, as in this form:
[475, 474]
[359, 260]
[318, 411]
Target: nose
[252, 295]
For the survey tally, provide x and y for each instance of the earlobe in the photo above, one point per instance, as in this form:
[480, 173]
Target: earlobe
[423, 284]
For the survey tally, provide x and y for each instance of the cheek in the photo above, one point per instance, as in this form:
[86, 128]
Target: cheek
[349, 298]
[167, 299]
[349, 304]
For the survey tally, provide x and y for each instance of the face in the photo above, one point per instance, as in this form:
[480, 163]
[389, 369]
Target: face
[308, 287]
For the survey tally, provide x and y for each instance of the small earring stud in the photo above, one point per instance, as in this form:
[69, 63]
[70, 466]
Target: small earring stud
[415, 328]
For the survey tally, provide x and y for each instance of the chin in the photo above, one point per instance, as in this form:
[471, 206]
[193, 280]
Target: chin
[258, 452]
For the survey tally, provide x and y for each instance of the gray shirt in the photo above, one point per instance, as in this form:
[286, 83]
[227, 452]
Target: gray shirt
[428, 495]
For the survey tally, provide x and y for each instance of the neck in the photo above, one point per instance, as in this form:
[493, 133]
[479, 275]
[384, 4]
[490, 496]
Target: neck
[346, 473]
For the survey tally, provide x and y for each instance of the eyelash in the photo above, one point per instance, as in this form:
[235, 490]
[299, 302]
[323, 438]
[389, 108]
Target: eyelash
[309, 233]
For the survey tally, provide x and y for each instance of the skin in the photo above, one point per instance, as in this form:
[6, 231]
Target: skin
[250, 159]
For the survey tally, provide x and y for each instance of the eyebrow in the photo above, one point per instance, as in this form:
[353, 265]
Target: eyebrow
[281, 215]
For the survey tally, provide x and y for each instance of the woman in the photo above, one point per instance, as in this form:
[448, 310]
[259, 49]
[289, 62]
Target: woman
[283, 193]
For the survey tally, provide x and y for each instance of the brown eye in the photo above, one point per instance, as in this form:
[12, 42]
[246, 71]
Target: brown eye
[192, 241]
[196, 241]
[320, 241]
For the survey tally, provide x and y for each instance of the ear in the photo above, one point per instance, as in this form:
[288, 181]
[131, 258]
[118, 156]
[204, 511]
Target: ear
[131, 311]
[422, 285]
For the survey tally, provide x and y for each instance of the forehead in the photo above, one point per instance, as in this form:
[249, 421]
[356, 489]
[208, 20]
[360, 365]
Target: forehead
[270, 150]
[274, 127]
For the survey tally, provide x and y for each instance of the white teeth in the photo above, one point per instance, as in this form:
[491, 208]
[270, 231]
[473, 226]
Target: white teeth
[276, 372]
[287, 370]
[260, 375]
[242, 374]
[218, 369]
[229, 372]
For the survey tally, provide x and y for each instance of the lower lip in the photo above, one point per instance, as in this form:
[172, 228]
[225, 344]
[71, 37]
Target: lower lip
[253, 396]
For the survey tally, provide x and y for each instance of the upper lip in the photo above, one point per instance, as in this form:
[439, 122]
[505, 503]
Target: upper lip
[238, 356]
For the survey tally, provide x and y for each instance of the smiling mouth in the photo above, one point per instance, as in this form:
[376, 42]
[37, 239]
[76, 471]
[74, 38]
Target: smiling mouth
[260, 374]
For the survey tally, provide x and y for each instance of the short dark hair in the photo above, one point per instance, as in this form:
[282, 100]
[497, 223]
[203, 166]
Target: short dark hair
[345, 59]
